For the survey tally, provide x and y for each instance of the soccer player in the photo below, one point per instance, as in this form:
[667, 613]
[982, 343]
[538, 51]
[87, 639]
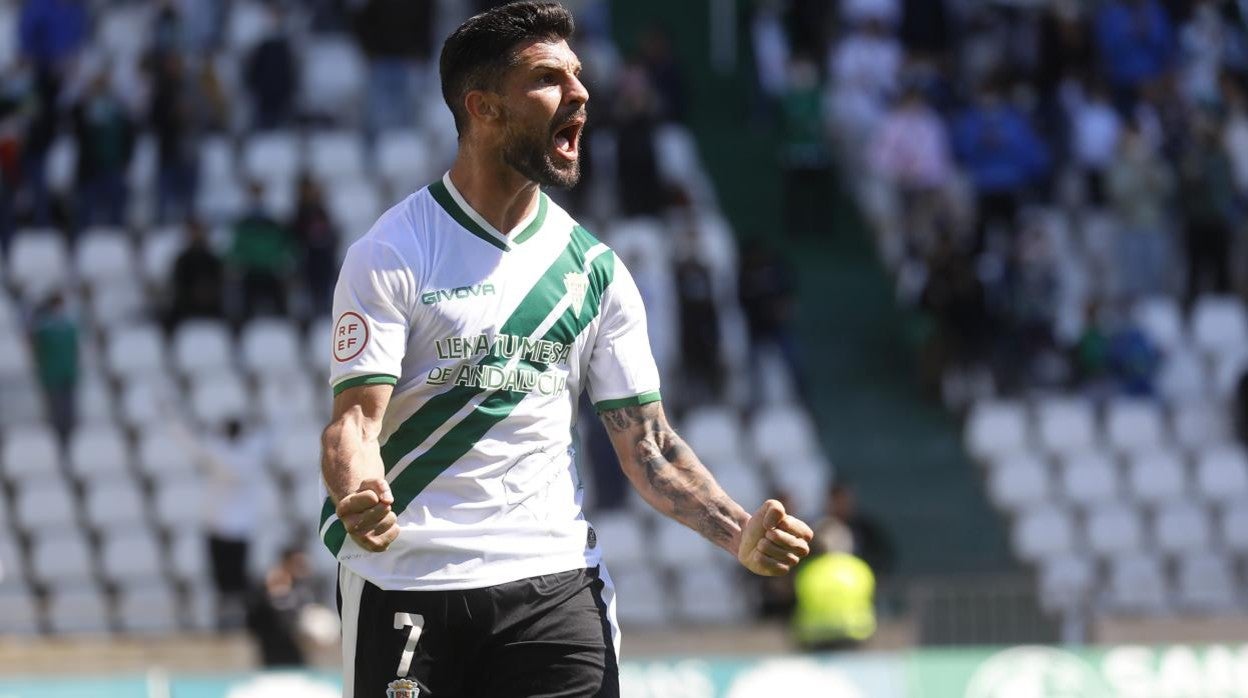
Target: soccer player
[467, 322]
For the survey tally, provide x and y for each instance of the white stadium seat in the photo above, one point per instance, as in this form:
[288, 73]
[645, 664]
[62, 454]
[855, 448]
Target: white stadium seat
[1066, 425]
[714, 433]
[216, 159]
[113, 506]
[333, 77]
[298, 448]
[44, 502]
[1089, 479]
[336, 155]
[623, 540]
[1161, 319]
[62, 163]
[1065, 581]
[1222, 473]
[1233, 526]
[995, 429]
[147, 609]
[146, 401]
[202, 346]
[1136, 584]
[104, 256]
[270, 346]
[188, 556]
[779, 434]
[83, 610]
[159, 253]
[805, 481]
[1019, 482]
[644, 600]
[218, 397]
[19, 614]
[131, 556]
[1134, 426]
[679, 546]
[1183, 377]
[1042, 532]
[292, 398]
[1206, 582]
[1219, 324]
[220, 200]
[1181, 526]
[317, 344]
[118, 304]
[135, 351]
[95, 402]
[404, 160]
[1156, 477]
[274, 155]
[306, 499]
[165, 457]
[710, 595]
[1113, 530]
[1228, 368]
[62, 558]
[743, 482]
[31, 452]
[38, 261]
[179, 504]
[1199, 424]
[10, 557]
[98, 452]
[354, 206]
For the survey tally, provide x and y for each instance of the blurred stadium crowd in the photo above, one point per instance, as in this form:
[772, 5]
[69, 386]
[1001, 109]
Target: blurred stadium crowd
[178, 180]
[1058, 188]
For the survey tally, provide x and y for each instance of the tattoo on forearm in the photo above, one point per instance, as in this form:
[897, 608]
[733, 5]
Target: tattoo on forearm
[677, 481]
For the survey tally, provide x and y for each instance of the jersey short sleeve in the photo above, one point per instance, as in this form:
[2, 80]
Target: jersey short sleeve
[371, 316]
[622, 371]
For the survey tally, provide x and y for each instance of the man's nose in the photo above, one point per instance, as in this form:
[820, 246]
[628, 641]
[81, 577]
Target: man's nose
[576, 93]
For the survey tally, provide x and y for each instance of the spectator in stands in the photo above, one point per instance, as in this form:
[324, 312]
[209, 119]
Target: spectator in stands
[1137, 45]
[910, 151]
[702, 368]
[105, 134]
[1095, 129]
[641, 191]
[233, 463]
[1140, 187]
[317, 239]
[1091, 353]
[1003, 156]
[1204, 42]
[262, 255]
[276, 609]
[395, 35]
[1241, 408]
[765, 288]
[54, 335]
[174, 117]
[202, 24]
[1066, 50]
[954, 296]
[868, 60]
[270, 74]
[1133, 360]
[804, 155]
[665, 73]
[772, 52]
[51, 33]
[1208, 204]
[868, 539]
[198, 280]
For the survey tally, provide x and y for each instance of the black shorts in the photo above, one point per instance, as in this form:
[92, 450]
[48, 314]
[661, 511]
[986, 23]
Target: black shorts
[551, 636]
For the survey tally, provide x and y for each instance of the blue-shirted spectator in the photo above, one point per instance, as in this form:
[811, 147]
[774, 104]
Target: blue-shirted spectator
[1136, 40]
[1002, 154]
[52, 31]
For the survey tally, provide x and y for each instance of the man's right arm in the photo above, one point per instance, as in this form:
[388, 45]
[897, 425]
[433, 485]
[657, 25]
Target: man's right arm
[352, 468]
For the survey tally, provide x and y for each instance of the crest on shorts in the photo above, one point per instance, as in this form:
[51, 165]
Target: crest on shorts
[402, 688]
[576, 283]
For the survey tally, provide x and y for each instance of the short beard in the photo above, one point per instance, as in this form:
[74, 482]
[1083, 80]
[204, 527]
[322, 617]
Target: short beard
[529, 154]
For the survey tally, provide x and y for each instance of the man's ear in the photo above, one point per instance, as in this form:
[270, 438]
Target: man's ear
[483, 105]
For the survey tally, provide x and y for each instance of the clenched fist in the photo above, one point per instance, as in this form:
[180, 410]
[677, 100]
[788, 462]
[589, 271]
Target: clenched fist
[367, 516]
[773, 542]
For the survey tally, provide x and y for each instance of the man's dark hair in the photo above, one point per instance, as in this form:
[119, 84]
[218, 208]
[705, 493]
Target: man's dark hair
[478, 53]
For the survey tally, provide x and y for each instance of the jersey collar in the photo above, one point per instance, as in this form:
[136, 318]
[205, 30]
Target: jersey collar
[449, 198]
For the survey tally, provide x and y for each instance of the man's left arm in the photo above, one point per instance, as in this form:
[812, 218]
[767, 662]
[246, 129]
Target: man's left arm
[670, 478]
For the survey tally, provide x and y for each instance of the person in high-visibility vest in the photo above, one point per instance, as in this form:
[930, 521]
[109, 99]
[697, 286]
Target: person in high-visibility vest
[835, 600]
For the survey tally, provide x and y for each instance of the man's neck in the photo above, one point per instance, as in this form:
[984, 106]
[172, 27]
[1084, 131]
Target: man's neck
[499, 194]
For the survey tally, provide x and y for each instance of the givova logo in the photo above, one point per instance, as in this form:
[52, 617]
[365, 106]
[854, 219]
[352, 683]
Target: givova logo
[1036, 672]
[459, 292]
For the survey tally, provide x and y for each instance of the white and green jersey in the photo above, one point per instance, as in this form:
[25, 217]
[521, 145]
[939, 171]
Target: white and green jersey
[488, 340]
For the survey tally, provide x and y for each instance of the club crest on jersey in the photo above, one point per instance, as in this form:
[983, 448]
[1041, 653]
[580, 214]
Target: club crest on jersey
[402, 688]
[576, 283]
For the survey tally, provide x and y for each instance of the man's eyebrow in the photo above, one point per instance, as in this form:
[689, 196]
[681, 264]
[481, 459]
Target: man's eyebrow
[557, 65]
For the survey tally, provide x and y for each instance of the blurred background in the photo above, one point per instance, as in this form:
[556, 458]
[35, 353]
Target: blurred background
[960, 281]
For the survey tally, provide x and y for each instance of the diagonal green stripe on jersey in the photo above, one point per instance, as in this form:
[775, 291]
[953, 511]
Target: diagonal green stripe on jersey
[335, 537]
[499, 404]
[534, 308]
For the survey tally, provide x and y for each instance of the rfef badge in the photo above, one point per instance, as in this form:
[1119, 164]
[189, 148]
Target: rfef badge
[403, 688]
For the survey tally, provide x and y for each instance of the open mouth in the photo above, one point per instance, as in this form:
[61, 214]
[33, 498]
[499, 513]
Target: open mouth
[567, 139]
